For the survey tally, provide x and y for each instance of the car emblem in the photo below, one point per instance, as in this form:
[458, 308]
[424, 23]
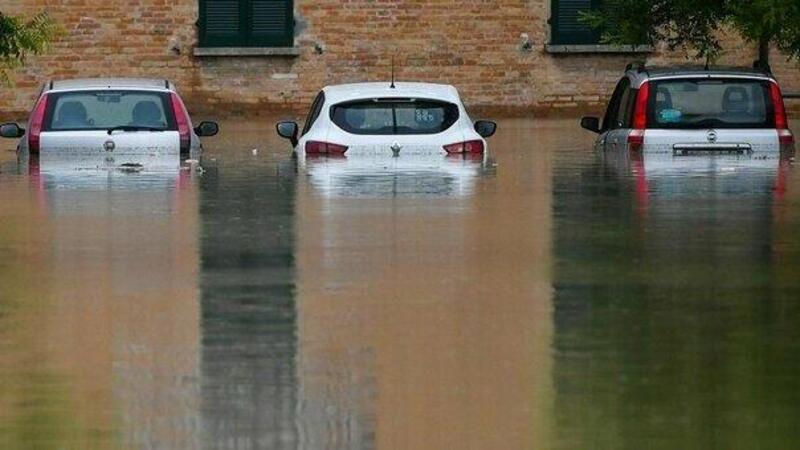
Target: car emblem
[396, 149]
[109, 146]
[712, 136]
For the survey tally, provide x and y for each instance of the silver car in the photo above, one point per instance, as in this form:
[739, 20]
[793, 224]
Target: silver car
[110, 123]
[680, 112]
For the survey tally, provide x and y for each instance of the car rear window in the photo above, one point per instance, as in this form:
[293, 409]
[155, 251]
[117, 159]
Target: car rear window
[394, 116]
[710, 103]
[105, 109]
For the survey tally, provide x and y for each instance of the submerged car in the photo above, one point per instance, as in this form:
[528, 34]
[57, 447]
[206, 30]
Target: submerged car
[684, 111]
[388, 119]
[120, 122]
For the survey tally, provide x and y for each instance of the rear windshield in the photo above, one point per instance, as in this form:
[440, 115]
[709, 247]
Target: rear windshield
[704, 103]
[103, 110]
[397, 116]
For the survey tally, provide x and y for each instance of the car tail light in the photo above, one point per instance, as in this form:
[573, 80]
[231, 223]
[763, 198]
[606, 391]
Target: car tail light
[182, 120]
[636, 137]
[785, 136]
[324, 148]
[465, 147]
[37, 123]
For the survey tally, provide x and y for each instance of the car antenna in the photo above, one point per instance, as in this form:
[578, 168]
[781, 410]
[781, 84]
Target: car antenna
[392, 86]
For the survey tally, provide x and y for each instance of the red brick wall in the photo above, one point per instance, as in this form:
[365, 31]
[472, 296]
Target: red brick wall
[474, 44]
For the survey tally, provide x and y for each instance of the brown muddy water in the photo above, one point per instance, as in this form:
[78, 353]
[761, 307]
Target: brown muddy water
[551, 298]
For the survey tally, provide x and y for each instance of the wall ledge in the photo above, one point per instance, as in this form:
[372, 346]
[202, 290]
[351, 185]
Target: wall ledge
[246, 51]
[589, 49]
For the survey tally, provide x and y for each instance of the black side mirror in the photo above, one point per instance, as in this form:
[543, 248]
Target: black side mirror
[288, 130]
[207, 129]
[485, 128]
[11, 131]
[591, 123]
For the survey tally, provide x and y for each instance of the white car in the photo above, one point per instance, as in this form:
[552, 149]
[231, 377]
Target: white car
[110, 123]
[388, 119]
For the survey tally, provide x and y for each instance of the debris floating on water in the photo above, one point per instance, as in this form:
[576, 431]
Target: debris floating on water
[255, 152]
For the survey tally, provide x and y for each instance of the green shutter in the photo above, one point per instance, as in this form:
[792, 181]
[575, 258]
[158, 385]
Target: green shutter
[246, 23]
[567, 29]
[271, 23]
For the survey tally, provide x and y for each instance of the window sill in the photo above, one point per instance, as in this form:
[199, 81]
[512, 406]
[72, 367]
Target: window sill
[246, 51]
[587, 49]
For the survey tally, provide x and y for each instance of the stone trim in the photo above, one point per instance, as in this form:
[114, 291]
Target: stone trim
[589, 49]
[246, 51]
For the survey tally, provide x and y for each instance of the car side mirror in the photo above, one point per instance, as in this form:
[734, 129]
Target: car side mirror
[485, 128]
[11, 131]
[288, 130]
[591, 123]
[207, 129]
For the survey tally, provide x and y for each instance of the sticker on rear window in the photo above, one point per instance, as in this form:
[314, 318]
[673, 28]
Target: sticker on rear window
[670, 116]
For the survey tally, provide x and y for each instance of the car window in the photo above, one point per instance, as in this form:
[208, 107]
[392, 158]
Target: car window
[710, 103]
[610, 119]
[395, 116]
[313, 114]
[102, 110]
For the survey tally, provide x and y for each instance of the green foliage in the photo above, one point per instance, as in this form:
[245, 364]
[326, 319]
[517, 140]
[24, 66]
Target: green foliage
[695, 24]
[20, 38]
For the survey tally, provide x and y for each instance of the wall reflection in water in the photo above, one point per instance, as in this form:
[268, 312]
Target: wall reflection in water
[249, 388]
[676, 314]
[99, 316]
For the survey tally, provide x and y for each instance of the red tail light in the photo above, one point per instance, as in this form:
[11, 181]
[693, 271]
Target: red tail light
[781, 121]
[636, 137]
[324, 148]
[182, 120]
[465, 147]
[37, 123]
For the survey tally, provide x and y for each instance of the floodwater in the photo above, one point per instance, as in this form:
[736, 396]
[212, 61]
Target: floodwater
[549, 298]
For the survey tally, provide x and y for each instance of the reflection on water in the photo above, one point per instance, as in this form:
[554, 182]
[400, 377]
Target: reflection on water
[676, 311]
[98, 311]
[551, 297]
[418, 176]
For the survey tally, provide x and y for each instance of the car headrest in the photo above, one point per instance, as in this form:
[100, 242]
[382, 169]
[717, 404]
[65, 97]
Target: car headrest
[147, 113]
[736, 99]
[72, 113]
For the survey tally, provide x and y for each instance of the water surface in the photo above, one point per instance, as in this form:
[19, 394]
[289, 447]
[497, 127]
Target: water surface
[549, 297]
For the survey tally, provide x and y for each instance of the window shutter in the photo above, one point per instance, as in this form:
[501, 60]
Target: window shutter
[221, 23]
[272, 22]
[246, 23]
[567, 28]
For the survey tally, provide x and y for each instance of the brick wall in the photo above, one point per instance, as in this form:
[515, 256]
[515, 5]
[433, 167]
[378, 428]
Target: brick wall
[474, 44]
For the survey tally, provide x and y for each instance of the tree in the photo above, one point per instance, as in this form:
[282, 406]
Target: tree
[697, 24]
[20, 37]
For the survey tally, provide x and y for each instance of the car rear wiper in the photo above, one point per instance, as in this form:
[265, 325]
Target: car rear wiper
[133, 128]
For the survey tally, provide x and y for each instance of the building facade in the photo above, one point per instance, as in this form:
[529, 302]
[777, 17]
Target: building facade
[270, 56]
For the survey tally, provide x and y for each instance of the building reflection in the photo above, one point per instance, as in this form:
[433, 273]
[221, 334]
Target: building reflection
[101, 321]
[424, 305]
[248, 380]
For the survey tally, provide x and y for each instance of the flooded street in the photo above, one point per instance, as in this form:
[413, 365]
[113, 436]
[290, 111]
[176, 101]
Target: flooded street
[548, 298]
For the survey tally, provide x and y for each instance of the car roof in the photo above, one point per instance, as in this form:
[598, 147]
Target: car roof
[110, 83]
[358, 91]
[642, 74]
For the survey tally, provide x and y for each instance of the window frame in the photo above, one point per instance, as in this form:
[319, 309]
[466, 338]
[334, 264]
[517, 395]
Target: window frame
[245, 37]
